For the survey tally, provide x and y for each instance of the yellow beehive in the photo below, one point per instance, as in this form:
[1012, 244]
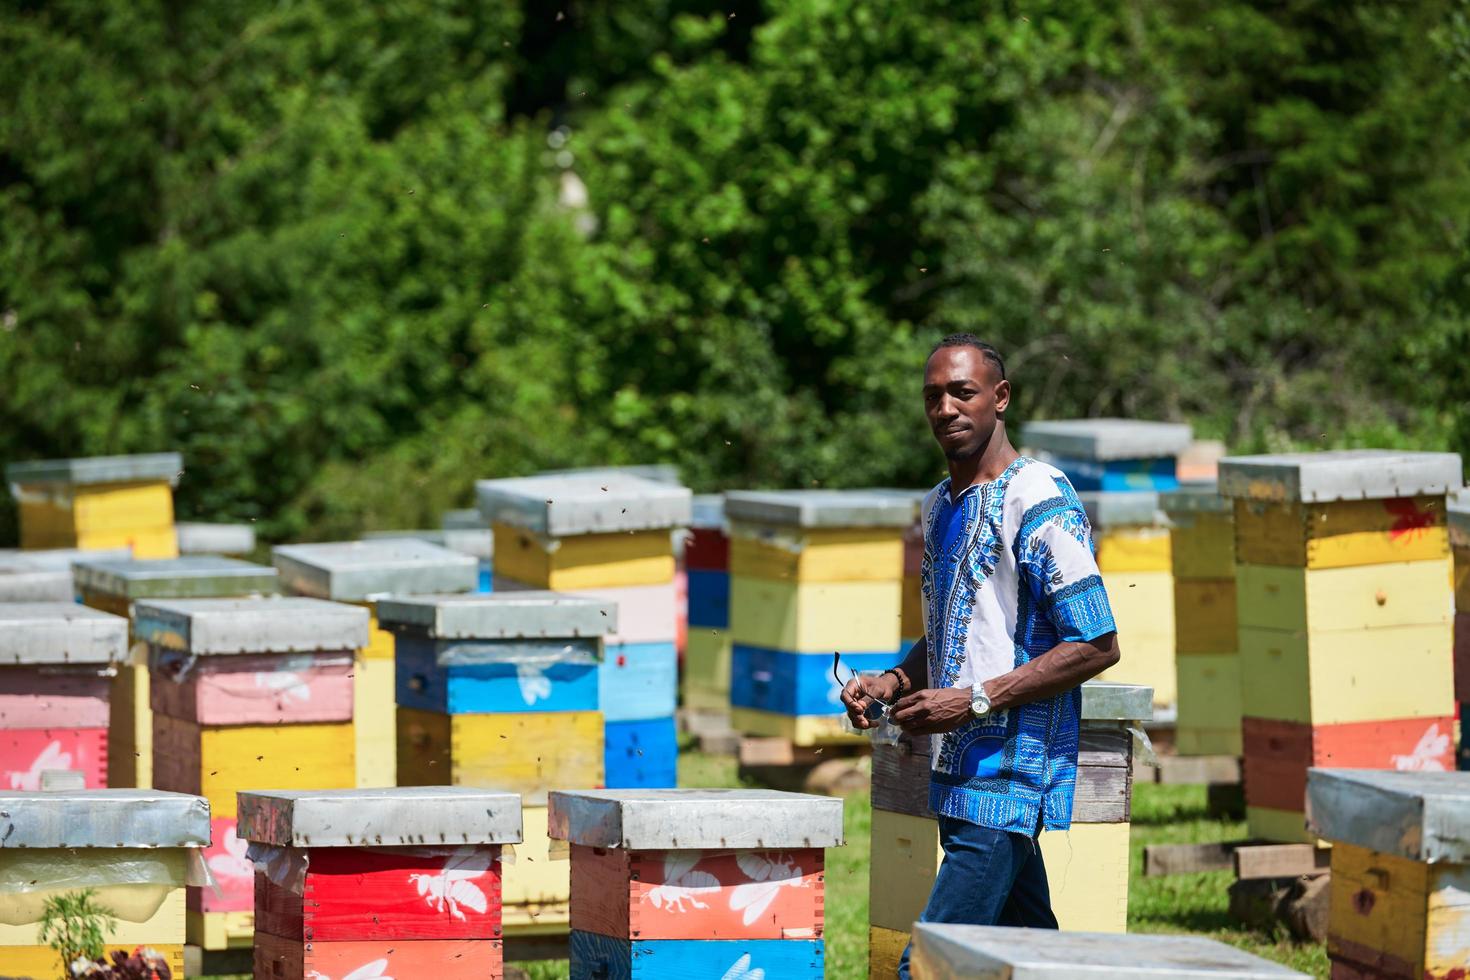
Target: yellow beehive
[816, 554]
[1340, 533]
[706, 681]
[537, 886]
[1207, 662]
[797, 729]
[523, 752]
[1143, 608]
[584, 561]
[98, 503]
[1400, 870]
[129, 848]
[813, 617]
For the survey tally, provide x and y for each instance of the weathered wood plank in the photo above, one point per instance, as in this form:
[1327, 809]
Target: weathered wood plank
[1179, 859]
[1280, 860]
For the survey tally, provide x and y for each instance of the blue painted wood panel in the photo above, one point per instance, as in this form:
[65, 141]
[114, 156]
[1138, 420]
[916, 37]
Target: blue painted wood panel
[1120, 474]
[795, 683]
[486, 581]
[639, 680]
[596, 957]
[490, 687]
[709, 599]
[641, 754]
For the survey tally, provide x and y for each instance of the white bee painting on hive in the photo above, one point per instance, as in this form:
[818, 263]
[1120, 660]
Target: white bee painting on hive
[534, 683]
[51, 757]
[454, 888]
[287, 680]
[368, 971]
[742, 971]
[682, 885]
[1428, 754]
[767, 876]
[232, 863]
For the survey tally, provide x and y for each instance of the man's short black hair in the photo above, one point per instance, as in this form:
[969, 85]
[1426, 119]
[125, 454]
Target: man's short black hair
[970, 340]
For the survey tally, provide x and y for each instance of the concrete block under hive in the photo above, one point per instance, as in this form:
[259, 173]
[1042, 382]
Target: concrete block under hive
[57, 660]
[136, 849]
[361, 572]
[370, 880]
[1400, 871]
[114, 585]
[959, 952]
[753, 859]
[247, 693]
[1087, 865]
[1206, 639]
[1140, 586]
[1340, 557]
[1121, 455]
[99, 503]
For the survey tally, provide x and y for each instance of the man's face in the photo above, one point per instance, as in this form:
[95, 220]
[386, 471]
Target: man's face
[963, 397]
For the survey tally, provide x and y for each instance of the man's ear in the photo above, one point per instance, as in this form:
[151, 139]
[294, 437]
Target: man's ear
[1002, 396]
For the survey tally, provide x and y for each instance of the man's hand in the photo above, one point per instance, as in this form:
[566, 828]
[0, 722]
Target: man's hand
[861, 692]
[932, 711]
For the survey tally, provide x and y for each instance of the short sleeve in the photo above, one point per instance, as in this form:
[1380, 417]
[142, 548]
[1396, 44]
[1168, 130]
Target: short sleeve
[1057, 556]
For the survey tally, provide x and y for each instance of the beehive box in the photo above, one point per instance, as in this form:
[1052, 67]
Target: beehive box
[1202, 552]
[45, 576]
[811, 572]
[247, 693]
[113, 585]
[1134, 555]
[1459, 526]
[1086, 866]
[706, 680]
[1340, 556]
[362, 572]
[958, 952]
[101, 502]
[465, 531]
[57, 660]
[1400, 870]
[609, 535]
[1110, 454]
[701, 881]
[404, 880]
[136, 849]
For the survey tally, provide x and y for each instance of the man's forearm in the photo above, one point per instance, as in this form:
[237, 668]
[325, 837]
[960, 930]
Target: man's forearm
[1059, 669]
[915, 667]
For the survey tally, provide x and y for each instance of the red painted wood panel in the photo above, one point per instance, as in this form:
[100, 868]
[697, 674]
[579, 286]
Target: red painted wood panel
[452, 959]
[354, 894]
[1462, 656]
[234, 875]
[254, 688]
[690, 895]
[706, 550]
[1278, 753]
[26, 752]
[31, 697]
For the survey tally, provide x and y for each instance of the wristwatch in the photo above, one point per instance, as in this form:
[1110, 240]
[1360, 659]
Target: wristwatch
[979, 702]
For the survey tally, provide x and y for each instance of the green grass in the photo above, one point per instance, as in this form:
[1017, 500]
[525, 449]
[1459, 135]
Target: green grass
[1193, 903]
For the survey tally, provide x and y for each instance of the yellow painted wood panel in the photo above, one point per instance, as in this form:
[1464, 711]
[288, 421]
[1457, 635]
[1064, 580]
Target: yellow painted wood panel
[1415, 593]
[1204, 547]
[837, 555]
[1204, 616]
[122, 506]
[798, 729]
[1282, 826]
[535, 878]
[1143, 607]
[584, 561]
[1341, 533]
[149, 542]
[381, 645]
[163, 924]
[815, 617]
[241, 757]
[130, 729]
[375, 733]
[1086, 869]
[1209, 704]
[885, 948]
[706, 682]
[1135, 549]
[528, 753]
[1379, 901]
[43, 963]
[221, 930]
[1336, 676]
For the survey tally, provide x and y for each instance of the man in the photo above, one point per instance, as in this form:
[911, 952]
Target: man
[1015, 619]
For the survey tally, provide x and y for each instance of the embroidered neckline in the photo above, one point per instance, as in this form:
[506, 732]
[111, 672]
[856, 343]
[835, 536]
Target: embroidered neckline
[1002, 480]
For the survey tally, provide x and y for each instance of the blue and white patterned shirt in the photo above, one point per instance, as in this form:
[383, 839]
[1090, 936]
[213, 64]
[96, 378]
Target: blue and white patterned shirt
[1008, 574]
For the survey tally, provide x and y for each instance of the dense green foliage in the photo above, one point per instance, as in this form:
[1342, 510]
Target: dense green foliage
[334, 252]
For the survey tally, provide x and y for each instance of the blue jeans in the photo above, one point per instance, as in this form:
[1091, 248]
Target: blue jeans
[987, 878]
